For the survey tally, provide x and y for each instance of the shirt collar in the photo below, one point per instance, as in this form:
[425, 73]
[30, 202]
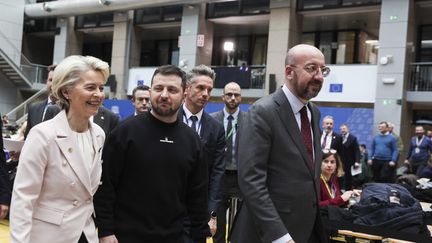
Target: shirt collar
[189, 114]
[296, 103]
[234, 115]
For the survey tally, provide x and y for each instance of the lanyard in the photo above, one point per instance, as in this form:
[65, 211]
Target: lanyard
[332, 192]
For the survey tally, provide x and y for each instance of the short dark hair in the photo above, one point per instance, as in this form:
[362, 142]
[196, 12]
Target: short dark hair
[171, 70]
[363, 145]
[385, 123]
[139, 87]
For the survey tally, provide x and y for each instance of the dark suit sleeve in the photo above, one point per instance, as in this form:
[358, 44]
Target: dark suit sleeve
[356, 150]
[254, 152]
[218, 168]
[5, 187]
[114, 120]
[29, 121]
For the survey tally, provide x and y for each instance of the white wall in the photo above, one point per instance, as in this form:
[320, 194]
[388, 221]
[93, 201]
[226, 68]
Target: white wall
[358, 84]
[11, 26]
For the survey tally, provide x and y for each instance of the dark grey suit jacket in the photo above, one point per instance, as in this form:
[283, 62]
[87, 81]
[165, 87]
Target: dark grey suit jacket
[34, 115]
[105, 118]
[280, 189]
[219, 116]
[212, 136]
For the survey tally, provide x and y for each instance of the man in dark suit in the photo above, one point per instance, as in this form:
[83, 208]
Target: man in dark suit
[230, 191]
[349, 154]
[5, 188]
[198, 88]
[37, 111]
[279, 158]
[330, 139]
[105, 118]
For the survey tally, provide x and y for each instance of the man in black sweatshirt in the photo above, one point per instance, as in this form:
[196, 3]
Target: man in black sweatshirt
[153, 173]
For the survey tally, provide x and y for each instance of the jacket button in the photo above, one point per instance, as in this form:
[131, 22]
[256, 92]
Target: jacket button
[72, 183]
[64, 163]
[100, 183]
[75, 203]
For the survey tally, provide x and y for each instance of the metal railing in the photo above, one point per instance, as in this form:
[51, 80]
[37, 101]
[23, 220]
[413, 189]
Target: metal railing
[420, 77]
[32, 73]
[19, 113]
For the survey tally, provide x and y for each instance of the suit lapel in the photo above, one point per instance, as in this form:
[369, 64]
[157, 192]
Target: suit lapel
[99, 118]
[286, 114]
[39, 111]
[67, 144]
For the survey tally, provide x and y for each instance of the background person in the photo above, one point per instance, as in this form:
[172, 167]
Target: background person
[141, 99]
[419, 151]
[37, 111]
[5, 188]
[231, 117]
[331, 170]
[60, 164]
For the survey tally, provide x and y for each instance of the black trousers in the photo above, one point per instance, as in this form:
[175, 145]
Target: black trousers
[383, 172]
[82, 239]
[229, 190]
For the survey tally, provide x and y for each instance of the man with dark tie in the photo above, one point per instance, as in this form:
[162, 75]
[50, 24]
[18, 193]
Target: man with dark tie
[199, 85]
[330, 139]
[350, 155]
[279, 158]
[231, 117]
[37, 111]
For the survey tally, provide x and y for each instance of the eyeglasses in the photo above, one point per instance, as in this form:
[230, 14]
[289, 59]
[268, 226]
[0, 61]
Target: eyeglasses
[329, 151]
[232, 94]
[313, 70]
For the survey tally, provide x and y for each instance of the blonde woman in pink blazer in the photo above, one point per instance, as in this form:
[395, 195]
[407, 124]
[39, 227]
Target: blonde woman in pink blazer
[60, 164]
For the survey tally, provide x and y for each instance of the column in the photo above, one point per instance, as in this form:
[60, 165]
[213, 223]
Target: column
[194, 24]
[120, 51]
[394, 57]
[67, 41]
[284, 31]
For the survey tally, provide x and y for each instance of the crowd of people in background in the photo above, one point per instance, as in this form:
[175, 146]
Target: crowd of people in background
[173, 173]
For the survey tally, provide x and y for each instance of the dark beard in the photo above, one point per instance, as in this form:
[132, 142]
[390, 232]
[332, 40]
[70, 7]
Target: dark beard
[160, 112]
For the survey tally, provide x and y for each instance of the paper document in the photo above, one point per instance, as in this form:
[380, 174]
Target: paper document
[12, 145]
[356, 171]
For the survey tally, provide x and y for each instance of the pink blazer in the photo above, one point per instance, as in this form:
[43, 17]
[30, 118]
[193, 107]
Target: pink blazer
[52, 199]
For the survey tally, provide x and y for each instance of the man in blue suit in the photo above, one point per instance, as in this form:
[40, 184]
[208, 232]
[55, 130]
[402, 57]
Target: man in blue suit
[198, 89]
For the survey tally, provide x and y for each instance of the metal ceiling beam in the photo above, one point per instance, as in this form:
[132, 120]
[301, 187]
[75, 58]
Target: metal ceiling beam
[81, 7]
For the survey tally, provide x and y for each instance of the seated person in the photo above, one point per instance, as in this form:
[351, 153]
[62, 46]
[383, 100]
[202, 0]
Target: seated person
[331, 169]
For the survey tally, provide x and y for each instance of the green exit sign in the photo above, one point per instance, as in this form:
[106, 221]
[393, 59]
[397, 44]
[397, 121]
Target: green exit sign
[393, 17]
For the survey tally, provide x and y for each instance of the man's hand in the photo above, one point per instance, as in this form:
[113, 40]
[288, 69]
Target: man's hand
[3, 211]
[291, 241]
[356, 165]
[212, 225]
[108, 239]
[392, 164]
[406, 162]
[370, 162]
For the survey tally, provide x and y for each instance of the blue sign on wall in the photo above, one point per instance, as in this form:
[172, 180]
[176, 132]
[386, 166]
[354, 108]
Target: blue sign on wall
[336, 88]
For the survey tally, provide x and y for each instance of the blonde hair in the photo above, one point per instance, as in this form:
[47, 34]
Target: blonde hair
[68, 73]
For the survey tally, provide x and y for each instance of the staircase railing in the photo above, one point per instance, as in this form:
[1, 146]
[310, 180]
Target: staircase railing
[19, 113]
[31, 73]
